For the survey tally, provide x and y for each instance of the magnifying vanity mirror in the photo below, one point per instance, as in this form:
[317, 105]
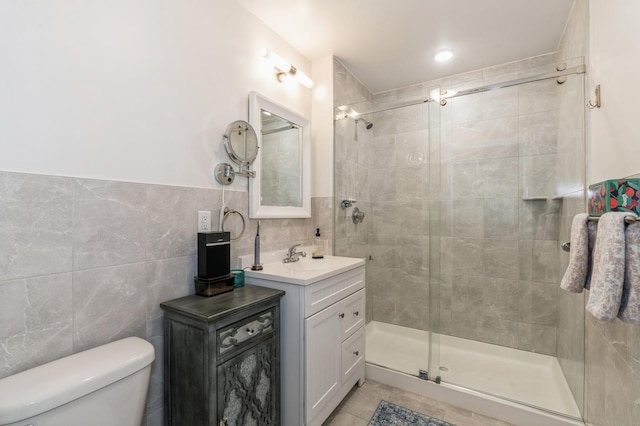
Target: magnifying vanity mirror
[281, 188]
[241, 144]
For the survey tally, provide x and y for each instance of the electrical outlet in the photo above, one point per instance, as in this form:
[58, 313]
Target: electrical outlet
[204, 221]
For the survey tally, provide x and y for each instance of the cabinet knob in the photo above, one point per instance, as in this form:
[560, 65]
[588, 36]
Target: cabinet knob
[356, 353]
[341, 315]
[356, 313]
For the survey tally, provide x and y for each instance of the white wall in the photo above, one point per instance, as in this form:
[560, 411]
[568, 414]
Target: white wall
[132, 90]
[322, 130]
[614, 58]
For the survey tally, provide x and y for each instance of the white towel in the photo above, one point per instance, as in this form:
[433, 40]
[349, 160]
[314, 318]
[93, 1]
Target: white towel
[575, 277]
[608, 267]
[630, 304]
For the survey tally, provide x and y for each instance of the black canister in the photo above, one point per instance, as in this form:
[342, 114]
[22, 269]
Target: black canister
[214, 253]
[214, 264]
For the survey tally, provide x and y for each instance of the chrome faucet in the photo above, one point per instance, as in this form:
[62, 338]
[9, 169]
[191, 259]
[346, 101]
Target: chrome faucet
[293, 255]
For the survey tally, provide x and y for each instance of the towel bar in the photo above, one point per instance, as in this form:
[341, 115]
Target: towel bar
[566, 246]
[628, 219]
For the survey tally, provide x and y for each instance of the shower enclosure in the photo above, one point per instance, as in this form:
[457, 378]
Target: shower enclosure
[466, 186]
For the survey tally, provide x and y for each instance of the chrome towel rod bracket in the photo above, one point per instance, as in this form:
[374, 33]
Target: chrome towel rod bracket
[566, 246]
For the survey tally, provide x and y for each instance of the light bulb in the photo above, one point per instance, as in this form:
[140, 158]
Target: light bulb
[443, 55]
[276, 60]
[303, 79]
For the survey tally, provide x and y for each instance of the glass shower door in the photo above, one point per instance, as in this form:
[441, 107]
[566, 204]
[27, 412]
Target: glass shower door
[383, 168]
[434, 207]
[504, 156]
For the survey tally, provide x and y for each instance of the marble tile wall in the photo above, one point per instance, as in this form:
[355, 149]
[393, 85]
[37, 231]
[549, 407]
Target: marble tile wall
[399, 240]
[85, 262]
[352, 174]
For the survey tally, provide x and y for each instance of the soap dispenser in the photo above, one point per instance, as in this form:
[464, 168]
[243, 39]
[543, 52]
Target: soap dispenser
[317, 251]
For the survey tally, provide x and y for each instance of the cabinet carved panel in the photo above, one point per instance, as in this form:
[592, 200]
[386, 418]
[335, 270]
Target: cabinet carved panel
[245, 386]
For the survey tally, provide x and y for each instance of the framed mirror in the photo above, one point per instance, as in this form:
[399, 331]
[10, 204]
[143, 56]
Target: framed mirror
[282, 185]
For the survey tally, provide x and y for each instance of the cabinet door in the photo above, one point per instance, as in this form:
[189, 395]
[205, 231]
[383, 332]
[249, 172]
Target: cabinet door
[322, 379]
[247, 392]
[352, 313]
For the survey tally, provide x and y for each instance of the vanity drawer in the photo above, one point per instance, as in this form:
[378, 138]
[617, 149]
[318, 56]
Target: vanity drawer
[323, 294]
[352, 354]
[352, 311]
[243, 333]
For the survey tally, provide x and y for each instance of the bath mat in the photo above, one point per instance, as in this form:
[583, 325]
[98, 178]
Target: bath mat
[388, 414]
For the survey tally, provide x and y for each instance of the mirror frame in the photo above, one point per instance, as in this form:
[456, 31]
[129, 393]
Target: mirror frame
[257, 103]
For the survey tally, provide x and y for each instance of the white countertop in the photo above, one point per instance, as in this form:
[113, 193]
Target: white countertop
[305, 271]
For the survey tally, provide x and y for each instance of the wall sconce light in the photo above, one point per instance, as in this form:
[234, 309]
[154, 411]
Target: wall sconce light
[284, 69]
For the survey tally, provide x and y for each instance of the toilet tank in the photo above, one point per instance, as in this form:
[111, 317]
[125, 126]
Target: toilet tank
[106, 385]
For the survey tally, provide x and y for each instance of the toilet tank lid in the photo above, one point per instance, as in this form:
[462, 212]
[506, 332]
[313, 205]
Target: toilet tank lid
[51, 385]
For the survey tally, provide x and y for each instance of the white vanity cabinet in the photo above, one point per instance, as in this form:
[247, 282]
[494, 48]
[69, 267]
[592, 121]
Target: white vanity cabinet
[322, 335]
[334, 349]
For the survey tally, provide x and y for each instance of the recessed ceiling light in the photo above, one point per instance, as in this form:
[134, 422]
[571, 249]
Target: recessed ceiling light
[444, 55]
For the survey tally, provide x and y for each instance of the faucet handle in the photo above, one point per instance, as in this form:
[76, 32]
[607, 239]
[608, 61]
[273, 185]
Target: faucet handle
[292, 249]
[345, 204]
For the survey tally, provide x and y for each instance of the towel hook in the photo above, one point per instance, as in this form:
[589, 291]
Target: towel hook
[597, 103]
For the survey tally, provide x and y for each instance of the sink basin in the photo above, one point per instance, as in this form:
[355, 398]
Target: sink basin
[311, 265]
[305, 271]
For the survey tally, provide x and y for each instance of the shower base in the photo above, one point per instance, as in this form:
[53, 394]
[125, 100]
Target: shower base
[478, 376]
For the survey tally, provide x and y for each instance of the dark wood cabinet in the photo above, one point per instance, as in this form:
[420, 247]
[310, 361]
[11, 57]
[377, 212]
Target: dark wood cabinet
[222, 359]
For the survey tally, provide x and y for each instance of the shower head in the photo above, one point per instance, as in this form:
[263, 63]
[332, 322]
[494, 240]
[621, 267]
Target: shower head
[368, 124]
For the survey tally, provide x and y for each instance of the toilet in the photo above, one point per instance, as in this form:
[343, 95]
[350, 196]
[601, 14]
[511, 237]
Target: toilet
[103, 386]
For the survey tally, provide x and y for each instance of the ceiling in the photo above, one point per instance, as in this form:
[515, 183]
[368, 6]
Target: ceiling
[390, 44]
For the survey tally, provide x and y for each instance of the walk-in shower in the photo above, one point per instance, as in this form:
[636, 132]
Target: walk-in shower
[466, 201]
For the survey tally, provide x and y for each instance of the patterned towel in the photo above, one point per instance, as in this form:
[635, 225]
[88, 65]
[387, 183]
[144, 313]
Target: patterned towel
[608, 267]
[592, 229]
[630, 304]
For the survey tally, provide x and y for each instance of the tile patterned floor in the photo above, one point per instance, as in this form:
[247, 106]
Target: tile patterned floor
[358, 407]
